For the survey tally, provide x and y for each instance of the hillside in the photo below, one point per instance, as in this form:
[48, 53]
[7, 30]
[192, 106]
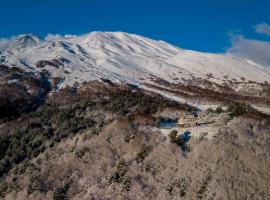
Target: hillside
[104, 142]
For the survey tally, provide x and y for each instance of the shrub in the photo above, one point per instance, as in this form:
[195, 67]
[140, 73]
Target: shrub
[238, 108]
[129, 137]
[4, 143]
[5, 166]
[60, 193]
[244, 109]
[180, 185]
[126, 184]
[203, 187]
[126, 101]
[120, 172]
[169, 189]
[180, 140]
[219, 110]
[151, 167]
[35, 184]
[3, 189]
[210, 110]
[81, 152]
[144, 151]
[174, 138]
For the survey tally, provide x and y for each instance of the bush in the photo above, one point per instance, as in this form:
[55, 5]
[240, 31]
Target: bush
[35, 184]
[238, 108]
[81, 152]
[151, 167]
[174, 138]
[3, 189]
[219, 110]
[203, 188]
[144, 151]
[210, 110]
[5, 166]
[60, 193]
[126, 101]
[244, 109]
[180, 140]
[119, 174]
[180, 185]
[126, 184]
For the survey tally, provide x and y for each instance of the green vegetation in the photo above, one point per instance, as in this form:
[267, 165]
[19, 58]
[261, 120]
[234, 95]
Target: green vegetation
[180, 140]
[123, 102]
[174, 138]
[244, 109]
[41, 130]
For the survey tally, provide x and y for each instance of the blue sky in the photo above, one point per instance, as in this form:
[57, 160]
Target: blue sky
[204, 25]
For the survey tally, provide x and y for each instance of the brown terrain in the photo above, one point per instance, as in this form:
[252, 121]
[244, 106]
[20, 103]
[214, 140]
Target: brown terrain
[103, 141]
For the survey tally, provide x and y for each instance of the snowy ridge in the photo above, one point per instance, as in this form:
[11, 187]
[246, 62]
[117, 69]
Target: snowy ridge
[119, 56]
[21, 43]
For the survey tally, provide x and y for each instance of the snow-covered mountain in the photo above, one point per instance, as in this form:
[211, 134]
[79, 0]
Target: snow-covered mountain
[126, 57]
[20, 43]
[153, 65]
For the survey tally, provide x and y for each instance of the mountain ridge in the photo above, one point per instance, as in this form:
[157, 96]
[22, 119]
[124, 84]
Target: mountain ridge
[132, 53]
[129, 58]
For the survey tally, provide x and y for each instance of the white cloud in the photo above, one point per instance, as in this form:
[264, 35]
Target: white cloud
[57, 36]
[262, 28]
[255, 50]
[52, 36]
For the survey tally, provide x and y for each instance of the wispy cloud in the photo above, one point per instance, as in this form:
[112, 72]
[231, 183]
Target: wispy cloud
[262, 28]
[254, 50]
[57, 36]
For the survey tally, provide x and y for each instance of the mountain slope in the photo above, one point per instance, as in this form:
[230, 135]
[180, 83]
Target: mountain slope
[109, 145]
[122, 57]
[127, 57]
